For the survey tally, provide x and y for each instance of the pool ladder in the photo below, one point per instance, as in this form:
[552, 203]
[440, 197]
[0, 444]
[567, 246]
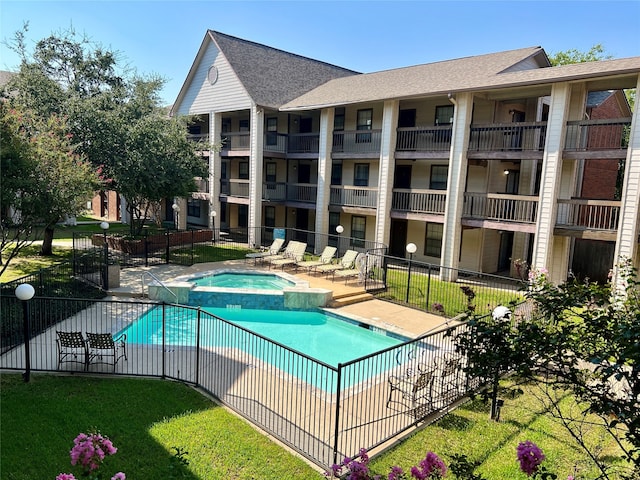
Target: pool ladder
[159, 282]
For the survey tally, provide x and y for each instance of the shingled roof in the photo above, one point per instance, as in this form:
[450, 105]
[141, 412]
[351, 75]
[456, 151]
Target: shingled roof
[273, 77]
[483, 72]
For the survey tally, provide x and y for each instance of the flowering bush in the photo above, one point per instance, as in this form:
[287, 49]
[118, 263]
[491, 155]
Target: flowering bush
[89, 451]
[431, 467]
[530, 457]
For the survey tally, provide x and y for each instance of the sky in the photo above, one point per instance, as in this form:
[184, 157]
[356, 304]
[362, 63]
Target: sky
[162, 37]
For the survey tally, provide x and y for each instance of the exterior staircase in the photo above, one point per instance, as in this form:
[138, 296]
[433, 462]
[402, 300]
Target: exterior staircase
[344, 299]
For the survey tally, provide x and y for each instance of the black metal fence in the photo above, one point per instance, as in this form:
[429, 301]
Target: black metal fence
[324, 412]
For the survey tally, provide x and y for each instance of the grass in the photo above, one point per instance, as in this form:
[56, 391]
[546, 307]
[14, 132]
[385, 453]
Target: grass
[147, 418]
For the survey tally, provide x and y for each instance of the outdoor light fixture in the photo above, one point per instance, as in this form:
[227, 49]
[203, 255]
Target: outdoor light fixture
[411, 249]
[506, 172]
[105, 276]
[339, 229]
[25, 292]
[213, 225]
[176, 212]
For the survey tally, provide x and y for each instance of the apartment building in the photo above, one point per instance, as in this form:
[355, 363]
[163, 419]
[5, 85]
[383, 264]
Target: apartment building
[478, 161]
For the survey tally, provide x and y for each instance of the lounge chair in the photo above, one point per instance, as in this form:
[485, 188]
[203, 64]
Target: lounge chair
[360, 269]
[293, 258]
[325, 259]
[275, 247]
[289, 249]
[346, 262]
[72, 348]
[103, 348]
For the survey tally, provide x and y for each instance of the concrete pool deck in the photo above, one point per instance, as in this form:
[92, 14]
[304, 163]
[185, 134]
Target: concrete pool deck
[389, 316]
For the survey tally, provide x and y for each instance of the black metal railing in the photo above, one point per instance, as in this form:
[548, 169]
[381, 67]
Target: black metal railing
[607, 134]
[522, 136]
[324, 412]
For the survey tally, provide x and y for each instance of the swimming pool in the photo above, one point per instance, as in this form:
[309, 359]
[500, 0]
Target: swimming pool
[258, 281]
[320, 335]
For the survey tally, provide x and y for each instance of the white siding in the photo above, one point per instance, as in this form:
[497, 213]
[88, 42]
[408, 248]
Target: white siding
[226, 94]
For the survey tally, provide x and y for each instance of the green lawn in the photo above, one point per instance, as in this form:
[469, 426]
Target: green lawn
[147, 418]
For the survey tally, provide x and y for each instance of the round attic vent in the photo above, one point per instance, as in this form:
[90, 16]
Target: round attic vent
[212, 75]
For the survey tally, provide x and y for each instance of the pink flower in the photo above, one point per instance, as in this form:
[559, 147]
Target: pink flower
[118, 476]
[530, 457]
[395, 474]
[66, 476]
[430, 466]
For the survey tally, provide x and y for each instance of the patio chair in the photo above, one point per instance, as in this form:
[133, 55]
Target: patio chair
[104, 349]
[361, 269]
[289, 249]
[292, 259]
[414, 388]
[275, 247]
[325, 258]
[345, 263]
[72, 348]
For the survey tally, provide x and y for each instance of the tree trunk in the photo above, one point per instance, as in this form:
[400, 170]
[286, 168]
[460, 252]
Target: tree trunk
[47, 242]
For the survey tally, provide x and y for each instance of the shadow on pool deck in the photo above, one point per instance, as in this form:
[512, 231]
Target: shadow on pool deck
[386, 315]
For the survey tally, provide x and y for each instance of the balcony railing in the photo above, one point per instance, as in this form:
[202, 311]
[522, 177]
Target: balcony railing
[494, 206]
[419, 201]
[437, 139]
[514, 137]
[274, 191]
[235, 140]
[302, 192]
[588, 214]
[303, 143]
[200, 138]
[585, 135]
[235, 187]
[351, 196]
[360, 141]
[275, 142]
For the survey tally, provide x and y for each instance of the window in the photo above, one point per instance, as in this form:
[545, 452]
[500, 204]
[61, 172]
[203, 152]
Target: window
[194, 129]
[358, 231]
[336, 174]
[243, 171]
[338, 119]
[193, 208]
[223, 171]
[444, 115]
[272, 130]
[407, 118]
[361, 175]
[270, 172]
[364, 122]
[334, 221]
[438, 179]
[433, 240]
[270, 217]
[244, 125]
[226, 125]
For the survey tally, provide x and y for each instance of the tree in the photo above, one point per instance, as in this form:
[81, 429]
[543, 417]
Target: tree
[43, 178]
[115, 118]
[583, 338]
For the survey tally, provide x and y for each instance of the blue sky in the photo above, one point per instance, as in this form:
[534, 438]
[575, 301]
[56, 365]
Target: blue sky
[162, 37]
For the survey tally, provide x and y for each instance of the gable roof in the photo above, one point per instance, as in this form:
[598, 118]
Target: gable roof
[439, 77]
[271, 77]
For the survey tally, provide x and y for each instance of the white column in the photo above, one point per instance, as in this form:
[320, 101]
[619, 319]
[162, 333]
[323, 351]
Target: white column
[629, 228]
[456, 182]
[386, 171]
[324, 177]
[215, 164]
[255, 175]
[550, 180]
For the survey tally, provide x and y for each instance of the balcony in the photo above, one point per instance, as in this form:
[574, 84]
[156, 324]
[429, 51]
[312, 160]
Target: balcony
[598, 137]
[500, 207]
[275, 142]
[588, 214]
[509, 140]
[295, 192]
[199, 138]
[419, 201]
[350, 196]
[360, 142]
[303, 143]
[424, 139]
[234, 188]
[234, 141]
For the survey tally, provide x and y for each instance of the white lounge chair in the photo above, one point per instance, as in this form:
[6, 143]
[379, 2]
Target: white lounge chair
[293, 258]
[325, 258]
[289, 249]
[360, 269]
[275, 247]
[346, 262]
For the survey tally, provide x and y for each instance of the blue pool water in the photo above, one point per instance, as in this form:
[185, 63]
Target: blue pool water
[259, 281]
[321, 336]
